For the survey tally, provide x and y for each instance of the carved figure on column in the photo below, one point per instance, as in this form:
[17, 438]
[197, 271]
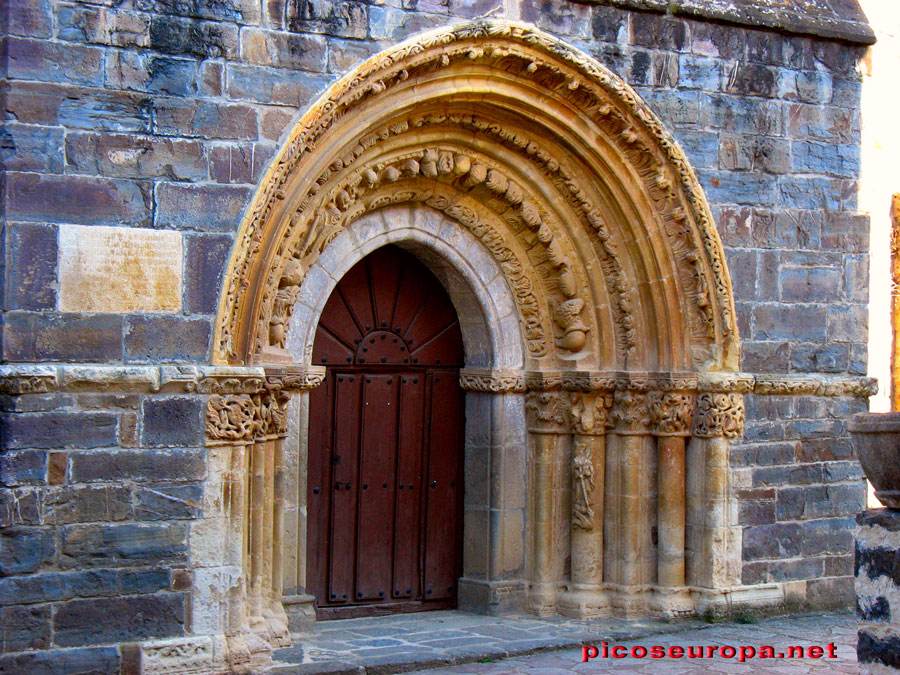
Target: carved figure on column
[671, 412]
[583, 468]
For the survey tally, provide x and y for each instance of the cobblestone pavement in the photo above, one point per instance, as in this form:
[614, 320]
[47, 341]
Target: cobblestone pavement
[456, 643]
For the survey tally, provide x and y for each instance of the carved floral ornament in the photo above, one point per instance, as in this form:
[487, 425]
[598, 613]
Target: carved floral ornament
[564, 174]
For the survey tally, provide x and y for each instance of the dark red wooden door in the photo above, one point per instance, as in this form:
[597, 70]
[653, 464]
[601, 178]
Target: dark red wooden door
[384, 484]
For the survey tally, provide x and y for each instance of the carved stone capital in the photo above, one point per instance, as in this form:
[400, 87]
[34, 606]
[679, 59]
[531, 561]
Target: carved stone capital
[719, 414]
[294, 378]
[229, 419]
[630, 414]
[546, 412]
[589, 411]
[671, 412]
[492, 381]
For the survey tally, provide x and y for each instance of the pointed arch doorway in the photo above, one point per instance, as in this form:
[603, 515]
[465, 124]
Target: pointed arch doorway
[384, 488]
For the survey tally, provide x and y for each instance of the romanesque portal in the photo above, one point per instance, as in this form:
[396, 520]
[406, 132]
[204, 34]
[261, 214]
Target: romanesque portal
[595, 311]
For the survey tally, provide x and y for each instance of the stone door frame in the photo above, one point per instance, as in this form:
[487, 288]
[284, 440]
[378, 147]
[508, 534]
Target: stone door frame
[602, 392]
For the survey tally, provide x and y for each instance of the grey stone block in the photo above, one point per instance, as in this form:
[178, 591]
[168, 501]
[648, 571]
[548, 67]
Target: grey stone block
[69, 661]
[168, 502]
[89, 338]
[31, 253]
[166, 339]
[26, 467]
[204, 266]
[657, 31]
[186, 37]
[58, 430]
[46, 61]
[85, 622]
[778, 540]
[24, 628]
[24, 549]
[57, 586]
[819, 358]
[172, 422]
[122, 544]
[138, 465]
[208, 207]
[789, 322]
[829, 535]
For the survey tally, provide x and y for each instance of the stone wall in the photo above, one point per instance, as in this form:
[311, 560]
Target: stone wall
[144, 127]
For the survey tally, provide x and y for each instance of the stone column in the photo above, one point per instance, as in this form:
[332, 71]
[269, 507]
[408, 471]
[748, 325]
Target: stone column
[631, 450]
[719, 416]
[547, 422]
[588, 412]
[671, 413]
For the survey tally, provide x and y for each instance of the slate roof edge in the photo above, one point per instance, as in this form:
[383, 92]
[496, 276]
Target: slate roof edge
[788, 18]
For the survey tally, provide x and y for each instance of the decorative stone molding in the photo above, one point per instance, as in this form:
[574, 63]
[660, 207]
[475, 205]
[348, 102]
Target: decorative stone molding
[815, 385]
[719, 415]
[671, 412]
[589, 411]
[547, 412]
[492, 381]
[544, 202]
[18, 380]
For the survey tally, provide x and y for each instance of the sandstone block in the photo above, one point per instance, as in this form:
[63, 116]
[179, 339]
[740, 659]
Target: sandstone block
[829, 535]
[847, 232]
[752, 79]
[100, 110]
[205, 119]
[283, 50]
[387, 23]
[699, 72]
[30, 267]
[754, 153]
[161, 75]
[205, 257]
[130, 156]
[675, 107]
[657, 31]
[117, 269]
[608, 24]
[58, 430]
[76, 199]
[172, 421]
[702, 148]
[122, 544]
[820, 358]
[237, 11]
[83, 504]
[187, 37]
[24, 628]
[796, 474]
[778, 540]
[811, 284]
[789, 322]
[341, 19]
[740, 114]
[207, 207]
[24, 549]
[267, 85]
[56, 586]
[848, 322]
[557, 16]
[81, 622]
[828, 159]
[138, 465]
[54, 62]
[66, 337]
[87, 660]
[166, 339]
[168, 502]
[770, 357]
[31, 18]
[102, 25]
[739, 188]
[28, 147]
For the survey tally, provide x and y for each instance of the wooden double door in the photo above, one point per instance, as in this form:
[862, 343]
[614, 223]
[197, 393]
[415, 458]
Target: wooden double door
[384, 485]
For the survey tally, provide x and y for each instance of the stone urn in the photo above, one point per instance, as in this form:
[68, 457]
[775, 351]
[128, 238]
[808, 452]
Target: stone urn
[876, 439]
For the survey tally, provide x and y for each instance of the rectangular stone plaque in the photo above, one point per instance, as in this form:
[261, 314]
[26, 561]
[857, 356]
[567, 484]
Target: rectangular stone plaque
[119, 269]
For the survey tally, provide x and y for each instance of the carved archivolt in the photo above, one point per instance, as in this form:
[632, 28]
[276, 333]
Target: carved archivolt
[568, 179]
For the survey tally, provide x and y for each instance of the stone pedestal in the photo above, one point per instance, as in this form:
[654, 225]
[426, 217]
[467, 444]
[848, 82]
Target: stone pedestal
[878, 590]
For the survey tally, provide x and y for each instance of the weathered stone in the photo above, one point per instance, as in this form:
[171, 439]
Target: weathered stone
[53, 62]
[266, 85]
[88, 660]
[558, 16]
[845, 232]
[172, 421]
[237, 11]
[26, 467]
[831, 592]
[387, 23]
[741, 115]
[137, 465]
[78, 199]
[828, 159]
[765, 357]
[201, 39]
[341, 19]
[658, 32]
[82, 504]
[159, 75]
[848, 323]
[81, 622]
[754, 153]
[116, 269]
[750, 79]
[208, 207]
[31, 267]
[699, 72]
[102, 25]
[785, 322]
[96, 110]
[740, 188]
[778, 540]
[674, 106]
[818, 358]
[877, 611]
[284, 50]
[26, 147]
[205, 119]
[31, 18]
[231, 163]
[205, 258]
[58, 430]
[788, 475]
[135, 157]
[829, 535]
[20, 507]
[24, 628]
[168, 502]
[167, 339]
[24, 549]
[122, 544]
[275, 120]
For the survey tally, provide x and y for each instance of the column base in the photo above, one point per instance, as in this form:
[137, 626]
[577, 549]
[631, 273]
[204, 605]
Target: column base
[583, 601]
[543, 599]
[493, 598]
[301, 612]
[672, 602]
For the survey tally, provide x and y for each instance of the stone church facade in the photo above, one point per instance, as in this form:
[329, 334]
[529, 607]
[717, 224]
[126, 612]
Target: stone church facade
[638, 219]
